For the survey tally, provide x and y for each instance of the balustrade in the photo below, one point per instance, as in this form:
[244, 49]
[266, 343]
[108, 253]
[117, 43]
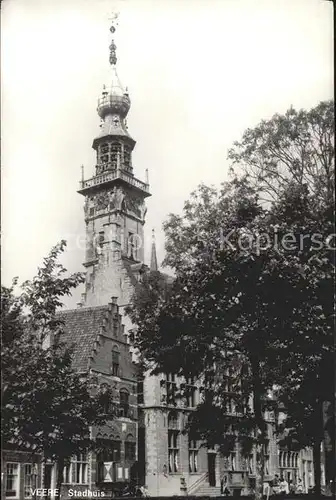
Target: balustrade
[109, 176]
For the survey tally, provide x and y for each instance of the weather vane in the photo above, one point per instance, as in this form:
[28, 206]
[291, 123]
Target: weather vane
[114, 21]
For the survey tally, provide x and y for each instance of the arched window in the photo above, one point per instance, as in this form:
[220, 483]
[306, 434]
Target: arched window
[193, 455]
[130, 447]
[115, 361]
[124, 403]
[173, 442]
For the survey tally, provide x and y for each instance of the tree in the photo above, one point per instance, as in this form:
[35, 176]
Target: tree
[297, 151]
[46, 406]
[239, 302]
[298, 147]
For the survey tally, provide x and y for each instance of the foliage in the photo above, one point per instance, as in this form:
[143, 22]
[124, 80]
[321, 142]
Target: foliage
[46, 406]
[298, 146]
[253, 288]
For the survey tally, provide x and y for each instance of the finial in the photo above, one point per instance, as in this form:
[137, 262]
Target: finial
[147, 177]
[82, 169]
[153, 263]
[113, 47]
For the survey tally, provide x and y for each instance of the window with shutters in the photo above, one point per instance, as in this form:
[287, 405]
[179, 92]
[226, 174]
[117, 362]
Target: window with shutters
[12, 480]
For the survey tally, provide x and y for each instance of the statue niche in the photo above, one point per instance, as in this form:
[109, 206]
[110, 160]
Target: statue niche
[102, 201]
[117, 198]
[136, 206]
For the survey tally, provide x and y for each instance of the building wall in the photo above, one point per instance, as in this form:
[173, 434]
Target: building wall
[120, 428]
[22, 480]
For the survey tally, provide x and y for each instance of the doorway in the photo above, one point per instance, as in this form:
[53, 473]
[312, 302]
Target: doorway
[212, 468]
[47, 477]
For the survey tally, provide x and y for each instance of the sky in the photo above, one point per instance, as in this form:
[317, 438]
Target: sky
[199, 72]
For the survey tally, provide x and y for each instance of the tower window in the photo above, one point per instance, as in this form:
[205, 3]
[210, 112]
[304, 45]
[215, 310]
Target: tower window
[127, 158]
[104, 148]
[116, 154]
[133, 245]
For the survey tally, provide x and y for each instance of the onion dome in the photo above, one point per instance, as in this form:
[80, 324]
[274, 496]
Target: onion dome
[115, 99]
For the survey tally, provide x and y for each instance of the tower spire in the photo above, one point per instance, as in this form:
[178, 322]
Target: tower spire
[113, 47]
[153, 263]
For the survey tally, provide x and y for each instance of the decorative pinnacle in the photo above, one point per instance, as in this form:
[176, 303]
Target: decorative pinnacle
[113, 47]
[153, 262]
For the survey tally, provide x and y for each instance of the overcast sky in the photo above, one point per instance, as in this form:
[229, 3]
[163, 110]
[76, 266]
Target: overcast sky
[199, 72]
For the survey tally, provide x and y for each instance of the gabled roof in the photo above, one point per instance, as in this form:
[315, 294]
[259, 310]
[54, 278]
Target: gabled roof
[81, 328]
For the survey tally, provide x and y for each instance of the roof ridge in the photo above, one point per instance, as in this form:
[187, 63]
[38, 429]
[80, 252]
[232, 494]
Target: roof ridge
[83, 308]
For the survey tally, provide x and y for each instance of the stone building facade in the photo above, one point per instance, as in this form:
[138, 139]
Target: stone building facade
[146, 440]
[20, 473]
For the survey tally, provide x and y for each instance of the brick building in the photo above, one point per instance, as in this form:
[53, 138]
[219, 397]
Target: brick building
[146, 440]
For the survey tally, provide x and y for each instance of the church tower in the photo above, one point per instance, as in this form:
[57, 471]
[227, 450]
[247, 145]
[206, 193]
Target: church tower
[114, 201]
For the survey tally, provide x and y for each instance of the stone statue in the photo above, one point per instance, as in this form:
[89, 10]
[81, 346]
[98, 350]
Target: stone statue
[117, 197]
